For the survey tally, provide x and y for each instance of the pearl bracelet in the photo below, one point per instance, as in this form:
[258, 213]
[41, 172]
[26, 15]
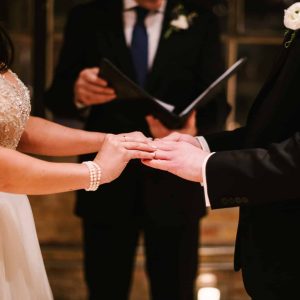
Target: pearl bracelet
[95, 175]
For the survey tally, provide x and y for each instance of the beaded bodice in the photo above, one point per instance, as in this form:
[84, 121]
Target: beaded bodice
[14, 110]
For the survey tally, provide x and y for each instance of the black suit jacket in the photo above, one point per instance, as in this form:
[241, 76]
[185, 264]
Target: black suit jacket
[184, 65]
[251, 175]
[270, 217]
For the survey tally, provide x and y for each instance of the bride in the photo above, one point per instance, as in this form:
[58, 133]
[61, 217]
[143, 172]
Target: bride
[22, 271]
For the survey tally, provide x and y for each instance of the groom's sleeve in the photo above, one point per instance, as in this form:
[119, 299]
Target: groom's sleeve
[254, 176]
[218, 141]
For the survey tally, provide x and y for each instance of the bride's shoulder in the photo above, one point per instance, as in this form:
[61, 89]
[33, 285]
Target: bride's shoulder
[6, 90]
[9, 76]
[10, 82]
[3, 83]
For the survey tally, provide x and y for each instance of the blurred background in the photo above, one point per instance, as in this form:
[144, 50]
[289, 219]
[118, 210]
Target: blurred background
[251, 28]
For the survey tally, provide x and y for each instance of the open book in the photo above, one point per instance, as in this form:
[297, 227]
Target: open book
[128, 90]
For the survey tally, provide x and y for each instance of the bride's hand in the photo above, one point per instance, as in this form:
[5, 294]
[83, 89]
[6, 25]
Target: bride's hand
[136, 135]
[118, 150]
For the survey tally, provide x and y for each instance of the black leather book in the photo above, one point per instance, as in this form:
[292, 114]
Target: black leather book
[127, 90]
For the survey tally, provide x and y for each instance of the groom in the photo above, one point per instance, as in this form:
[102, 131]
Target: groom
[257, 168]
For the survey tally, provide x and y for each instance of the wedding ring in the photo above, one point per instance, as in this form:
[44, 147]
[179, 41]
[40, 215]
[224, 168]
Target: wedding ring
[154, 156]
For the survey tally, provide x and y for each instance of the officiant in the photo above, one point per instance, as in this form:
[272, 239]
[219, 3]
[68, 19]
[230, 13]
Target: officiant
[172, 50]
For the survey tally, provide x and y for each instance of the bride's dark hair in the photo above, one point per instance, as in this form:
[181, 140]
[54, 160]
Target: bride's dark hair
[6, 50]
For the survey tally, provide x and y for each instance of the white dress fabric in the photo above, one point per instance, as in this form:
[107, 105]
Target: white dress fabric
[22, 270]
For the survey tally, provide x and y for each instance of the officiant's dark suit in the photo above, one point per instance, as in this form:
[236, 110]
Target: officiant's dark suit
[141, 199]
[267, 247]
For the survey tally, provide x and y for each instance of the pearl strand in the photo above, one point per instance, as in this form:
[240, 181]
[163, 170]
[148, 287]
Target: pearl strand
[95, 175]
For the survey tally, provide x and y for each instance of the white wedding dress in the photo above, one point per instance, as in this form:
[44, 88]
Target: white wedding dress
[22, 271]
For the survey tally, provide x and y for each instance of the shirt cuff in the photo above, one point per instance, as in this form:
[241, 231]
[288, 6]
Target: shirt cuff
[204, 183]
[203, 143]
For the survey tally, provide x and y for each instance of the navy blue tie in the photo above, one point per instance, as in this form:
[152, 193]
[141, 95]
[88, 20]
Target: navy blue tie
[139, 46]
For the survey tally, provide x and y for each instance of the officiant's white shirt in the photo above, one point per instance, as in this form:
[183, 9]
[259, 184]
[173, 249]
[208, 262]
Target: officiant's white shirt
[153, 23]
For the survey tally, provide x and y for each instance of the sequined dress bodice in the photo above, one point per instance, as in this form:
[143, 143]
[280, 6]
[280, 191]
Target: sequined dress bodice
[22, 272]
[14, 110]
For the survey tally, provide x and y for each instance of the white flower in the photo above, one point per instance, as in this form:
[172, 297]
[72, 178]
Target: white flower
[181, 22]
[292, 17]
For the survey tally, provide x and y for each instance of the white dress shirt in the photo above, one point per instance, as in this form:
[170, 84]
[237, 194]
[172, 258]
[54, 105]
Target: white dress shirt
[153, 23]
[204, 145]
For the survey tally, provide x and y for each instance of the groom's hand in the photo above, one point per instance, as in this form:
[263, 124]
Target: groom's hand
[181, 137]
[180, 158]
[90, 89]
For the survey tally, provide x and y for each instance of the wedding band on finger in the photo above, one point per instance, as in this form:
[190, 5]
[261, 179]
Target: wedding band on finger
[154, 156]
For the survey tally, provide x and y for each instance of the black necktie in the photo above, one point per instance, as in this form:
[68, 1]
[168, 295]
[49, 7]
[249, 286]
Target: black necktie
[139, 46]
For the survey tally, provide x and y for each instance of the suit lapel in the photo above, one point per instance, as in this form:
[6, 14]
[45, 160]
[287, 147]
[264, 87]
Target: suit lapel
[165, 45]
[117, 44]
[271, 79]
[276, 104]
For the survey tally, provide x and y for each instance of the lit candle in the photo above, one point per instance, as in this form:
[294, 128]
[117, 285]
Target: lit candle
[209, 293]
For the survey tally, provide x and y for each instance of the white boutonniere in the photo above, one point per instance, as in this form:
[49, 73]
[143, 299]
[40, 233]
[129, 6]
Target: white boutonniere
[292, 21]
[181, 20]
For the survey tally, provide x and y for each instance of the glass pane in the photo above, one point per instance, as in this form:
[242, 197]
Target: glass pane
[17, 19]
[265, 16]
[221, 9]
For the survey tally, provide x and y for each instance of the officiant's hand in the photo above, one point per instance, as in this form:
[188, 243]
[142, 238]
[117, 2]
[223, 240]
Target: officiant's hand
[118, 150]
[90, 89]
[179, 158]
[158, 130]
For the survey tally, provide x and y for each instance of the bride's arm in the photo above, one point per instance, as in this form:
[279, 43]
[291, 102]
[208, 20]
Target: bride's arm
[23, 174]
[48, 138]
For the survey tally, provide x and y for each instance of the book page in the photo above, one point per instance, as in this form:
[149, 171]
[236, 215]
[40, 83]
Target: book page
[167, 106]
[208, 91]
